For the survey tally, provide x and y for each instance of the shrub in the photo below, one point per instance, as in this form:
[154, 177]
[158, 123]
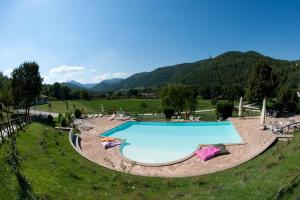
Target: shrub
[59, 117]
[84, 95]
[224, 110]
[50, 118]
[287, 100]
[63, 121]
[169, 112]
[68, 117]
[77, 113]
[214, 101]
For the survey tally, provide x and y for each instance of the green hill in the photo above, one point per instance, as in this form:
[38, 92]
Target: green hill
[224, 75]
[106, 84]
[56, 171]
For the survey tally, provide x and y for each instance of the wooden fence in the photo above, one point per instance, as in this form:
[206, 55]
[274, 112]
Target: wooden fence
[289, 128]
[12, 126]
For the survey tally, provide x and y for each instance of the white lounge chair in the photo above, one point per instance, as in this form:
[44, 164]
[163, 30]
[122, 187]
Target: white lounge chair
[123, 117]
[86, 127]
[112, 117]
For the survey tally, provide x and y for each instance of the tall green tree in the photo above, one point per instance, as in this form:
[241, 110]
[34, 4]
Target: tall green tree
[261, 82]
[55, 90]
[6, 97]
[191, 99]
[26, 84]
[287, 99]
[84, 95]
[178, 97]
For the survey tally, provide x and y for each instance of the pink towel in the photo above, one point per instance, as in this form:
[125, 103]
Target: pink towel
[206, 153]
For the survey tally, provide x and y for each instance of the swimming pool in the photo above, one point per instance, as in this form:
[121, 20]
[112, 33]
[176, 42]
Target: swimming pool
[165, 142]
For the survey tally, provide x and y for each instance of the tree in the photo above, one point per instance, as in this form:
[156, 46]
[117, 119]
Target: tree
[84, 95]
[26, 84]
[143, 106]
[77, 113]
[6, 96]
[261, 82]
[287, 99]
[5, 93]
[191, 99]
[224, 110]
[63, 121]
[178, 97]
[132, 93]
[55, 90]
[66, 92]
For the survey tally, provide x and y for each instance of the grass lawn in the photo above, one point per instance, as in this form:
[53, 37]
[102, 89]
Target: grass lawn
[93, 106]
[56, 171]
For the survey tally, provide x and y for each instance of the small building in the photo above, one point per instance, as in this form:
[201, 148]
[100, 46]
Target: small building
[42, 99]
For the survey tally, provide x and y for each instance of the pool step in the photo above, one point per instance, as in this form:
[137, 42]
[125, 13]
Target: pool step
[285, 137]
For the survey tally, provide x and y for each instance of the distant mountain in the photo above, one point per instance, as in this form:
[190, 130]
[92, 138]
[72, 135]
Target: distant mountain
[81, 85]
[106, 85]
[225, 75]
[73, 86]
[220, 75]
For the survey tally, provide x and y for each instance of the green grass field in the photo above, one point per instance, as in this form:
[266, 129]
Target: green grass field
[94, 106]
[56, 171]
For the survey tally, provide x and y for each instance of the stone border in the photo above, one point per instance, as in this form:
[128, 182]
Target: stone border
[157, 164]
[262, 149]
[170, 162]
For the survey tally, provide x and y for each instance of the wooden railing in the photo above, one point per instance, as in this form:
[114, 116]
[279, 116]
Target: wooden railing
[12, 126]
[290, 128]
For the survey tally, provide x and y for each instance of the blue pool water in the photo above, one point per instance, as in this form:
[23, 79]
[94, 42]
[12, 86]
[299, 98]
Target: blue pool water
[161, 142]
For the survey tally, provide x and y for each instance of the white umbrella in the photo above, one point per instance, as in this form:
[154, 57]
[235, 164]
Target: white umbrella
[240, 106]
[263, 113]
[102, 109]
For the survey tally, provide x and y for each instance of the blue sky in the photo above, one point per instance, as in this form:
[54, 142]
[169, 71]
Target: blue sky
[89, 41]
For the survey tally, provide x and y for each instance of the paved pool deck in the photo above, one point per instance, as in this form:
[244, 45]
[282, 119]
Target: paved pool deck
[256, 141]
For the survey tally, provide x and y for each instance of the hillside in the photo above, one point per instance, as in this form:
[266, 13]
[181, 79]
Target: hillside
[76, 85]
[55, 171]
[106, 84]
[225, 74]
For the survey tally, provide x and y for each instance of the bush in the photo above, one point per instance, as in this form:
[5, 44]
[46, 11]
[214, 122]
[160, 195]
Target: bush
[50, 118]
[169, 112]
[63, 121]
[59, 117]
[68, 117]
[84, 95]
[214, 101]
[77, 113]
[224, 110]
[287, 100]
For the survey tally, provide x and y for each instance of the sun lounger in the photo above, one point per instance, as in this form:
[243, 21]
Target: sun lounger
[112, 117]
[86, 127]
[107, 145]
[123, 117]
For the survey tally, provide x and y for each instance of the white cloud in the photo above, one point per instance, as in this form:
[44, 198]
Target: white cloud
[66, 70]
[93, 70]
[106, 76]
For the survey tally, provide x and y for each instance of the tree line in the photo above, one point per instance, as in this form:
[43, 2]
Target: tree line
[22, 88]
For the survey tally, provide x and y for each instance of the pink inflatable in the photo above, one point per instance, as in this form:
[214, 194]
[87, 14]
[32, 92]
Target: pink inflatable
[206, 153]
